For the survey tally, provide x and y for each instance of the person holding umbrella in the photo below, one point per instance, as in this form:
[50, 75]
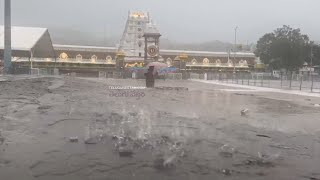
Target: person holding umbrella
[150, 77]
[159, 68]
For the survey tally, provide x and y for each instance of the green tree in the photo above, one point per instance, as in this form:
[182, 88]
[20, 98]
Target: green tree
[263, 48]
[315, 48]
[316, 54]
[284, 48]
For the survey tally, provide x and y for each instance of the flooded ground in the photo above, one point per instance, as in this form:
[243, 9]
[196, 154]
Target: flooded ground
[73, 128]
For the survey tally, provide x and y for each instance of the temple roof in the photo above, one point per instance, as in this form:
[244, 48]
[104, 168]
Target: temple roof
[29, 42]
[23, 38]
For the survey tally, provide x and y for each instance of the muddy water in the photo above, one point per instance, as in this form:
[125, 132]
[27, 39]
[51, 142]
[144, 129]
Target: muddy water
[198, 134]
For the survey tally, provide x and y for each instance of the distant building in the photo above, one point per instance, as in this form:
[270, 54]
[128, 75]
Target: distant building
[33, 46]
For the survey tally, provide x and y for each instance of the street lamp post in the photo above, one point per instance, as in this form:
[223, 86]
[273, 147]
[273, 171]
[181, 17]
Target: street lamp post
[235, 47]
[7, 37]
[235, 38]
[311, 65]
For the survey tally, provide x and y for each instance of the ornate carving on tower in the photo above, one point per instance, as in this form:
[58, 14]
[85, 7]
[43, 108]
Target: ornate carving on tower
[132, 39]
[151, 37]
[140, 39]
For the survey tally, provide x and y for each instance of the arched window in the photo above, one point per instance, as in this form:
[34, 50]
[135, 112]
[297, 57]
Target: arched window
[206, 61]
[177, 58]
[218, 62]
[79, 57]
[241, 62]
[94, 58]
[245, 63]
[109, 59]
[169, 62]
[194, 61]
[63, 56]
[230, 63]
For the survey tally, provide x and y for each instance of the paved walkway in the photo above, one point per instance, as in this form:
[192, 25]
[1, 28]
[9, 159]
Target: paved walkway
[261, 89]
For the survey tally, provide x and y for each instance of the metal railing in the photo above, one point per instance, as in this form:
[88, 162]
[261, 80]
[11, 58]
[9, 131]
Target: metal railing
[174, 76]
[305, 82]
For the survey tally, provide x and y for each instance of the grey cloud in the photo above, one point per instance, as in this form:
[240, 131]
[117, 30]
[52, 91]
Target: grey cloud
[178, 20]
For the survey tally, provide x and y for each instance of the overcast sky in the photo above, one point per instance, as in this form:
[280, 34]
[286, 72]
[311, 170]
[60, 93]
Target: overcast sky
[178, 20]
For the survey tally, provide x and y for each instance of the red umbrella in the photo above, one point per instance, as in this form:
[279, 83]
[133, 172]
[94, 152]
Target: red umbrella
[158, 66]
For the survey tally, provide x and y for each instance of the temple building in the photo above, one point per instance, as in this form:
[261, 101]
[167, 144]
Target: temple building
[140, 44]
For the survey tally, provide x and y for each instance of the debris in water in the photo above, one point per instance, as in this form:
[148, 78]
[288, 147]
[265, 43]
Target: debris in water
[244, 112]
[45, 107]
[260, 174]
[73, 139]
[258, 162]
[182, 154]
[2, 139]
[158, 162]
[92, 140]
[316, 105]
[269, 158]
[125, 152]
[163, 162]
[226, 172]
[227, 151]
[262, 135]
[115, 137]
[169, 162]
[240, 94]
[176, 146]
[165, 139]
[281, 146]
[311, 178]
[263, 160]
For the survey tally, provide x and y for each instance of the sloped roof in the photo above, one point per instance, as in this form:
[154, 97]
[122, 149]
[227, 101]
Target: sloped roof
[23, 38]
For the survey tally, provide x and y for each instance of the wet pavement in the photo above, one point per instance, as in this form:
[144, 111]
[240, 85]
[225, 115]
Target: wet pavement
[77, 128]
